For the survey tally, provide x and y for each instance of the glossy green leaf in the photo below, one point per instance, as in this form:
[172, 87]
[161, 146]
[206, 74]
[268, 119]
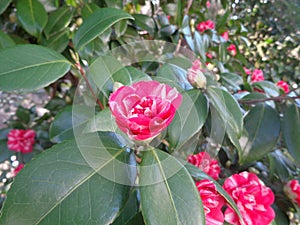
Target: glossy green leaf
[164, 195]
[32, 15]
[199, 46]
[198, 174]
[62, 188]
[186, 30]
[3, 5]
[29, 67]
[103, 121]
[5, 40]
[58, 21]
[270, 88]
[189, 119]
[120, 28]
[130, 211]
[97, 23]
[58, 42]
[174, 74]
[291, 131]
[228, 109]
[145, 22]
[231, 80]
[62, 126]
[221, 21]
[88, 9]
[261, 131]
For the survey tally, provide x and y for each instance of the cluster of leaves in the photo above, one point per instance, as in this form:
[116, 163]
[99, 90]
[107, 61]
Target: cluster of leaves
[248, 131]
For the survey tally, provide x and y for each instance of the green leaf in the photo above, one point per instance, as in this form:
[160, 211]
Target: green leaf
[58, 21]
[164, 195]
[261, 132]
[31, 66]
[228, 109]
[222, 19]
[198, 174]
[62, 127]
[291, 131]
[174, 74]
[58, 42]
[186, 30]
[62, 188]
[231, 80]
[88, 9]
[270, 88]
[145, 22]
[200, 46]
[96, 24]
[32, 15]
[3, 5]
[103, 121]
[189, 119]
[5, 40]
[130, 210]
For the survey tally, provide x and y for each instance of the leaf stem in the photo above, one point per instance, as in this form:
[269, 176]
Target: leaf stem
[82, 72]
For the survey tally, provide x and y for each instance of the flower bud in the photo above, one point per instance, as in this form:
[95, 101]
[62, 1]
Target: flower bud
[196, 78]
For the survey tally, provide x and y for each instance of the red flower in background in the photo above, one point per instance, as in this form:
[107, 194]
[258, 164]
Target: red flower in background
[21, 140]
[208, 4]
[208, 165]
[257, 75]
[18, 169]
[225, 35]
[283, 85]
[292, 190]
[212, 202]
[247, 71]
[232, 49]
[145, 108]
[252, 197]
[209, 55]
[206, 25]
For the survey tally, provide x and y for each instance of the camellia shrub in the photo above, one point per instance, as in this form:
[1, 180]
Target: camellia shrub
[155, 117]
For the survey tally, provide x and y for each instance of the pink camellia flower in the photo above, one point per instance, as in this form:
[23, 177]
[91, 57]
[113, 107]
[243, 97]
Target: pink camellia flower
[144, 109]
[206, 25]
[283, 85]
[252, 197]
[292, 190]
[232, 49]
[225, 35]
[21, 140]
[208, 165]
[257, 75]
[212, 202]
[247, 71]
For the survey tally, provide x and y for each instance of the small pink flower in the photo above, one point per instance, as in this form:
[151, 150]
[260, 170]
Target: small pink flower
[257, 75]
[292, 190]
[209, 55]
[145, 108]
[252, 197]
[225, 35]
[196, 65]
[208, 165]
[208, 4]
[206, 25]
[232, 49]
[21, 140]
[247, 71]
[283, 85]
[168, 17]
[212, 202]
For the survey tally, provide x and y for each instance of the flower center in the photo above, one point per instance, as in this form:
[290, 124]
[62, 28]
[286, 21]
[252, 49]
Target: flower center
[146, 106]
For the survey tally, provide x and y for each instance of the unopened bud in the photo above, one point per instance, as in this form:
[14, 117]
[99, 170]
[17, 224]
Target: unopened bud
[196, 78]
